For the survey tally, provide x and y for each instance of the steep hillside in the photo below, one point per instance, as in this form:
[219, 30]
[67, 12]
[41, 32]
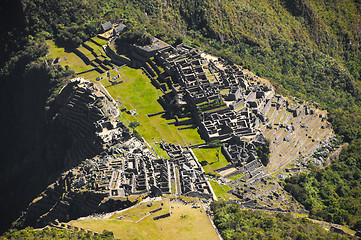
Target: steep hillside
[235, 223]
[33, 143]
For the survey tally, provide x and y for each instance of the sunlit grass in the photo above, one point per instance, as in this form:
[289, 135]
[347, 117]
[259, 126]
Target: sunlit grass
[185, 222]
[136, 92]
[69, 59]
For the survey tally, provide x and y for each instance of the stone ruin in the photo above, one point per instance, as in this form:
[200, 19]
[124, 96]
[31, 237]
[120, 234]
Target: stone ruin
[198, 81]
[225, 103]
[126, 166]
[129, 168]
[80, 105]
[191, 179]
[243, 156]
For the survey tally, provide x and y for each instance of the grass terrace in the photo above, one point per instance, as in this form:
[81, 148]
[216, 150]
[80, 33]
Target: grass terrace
[216, 109]
[235, 177]
[97, 49]
[87, 53]
[92, 75]
[69, 59]
[100, 40]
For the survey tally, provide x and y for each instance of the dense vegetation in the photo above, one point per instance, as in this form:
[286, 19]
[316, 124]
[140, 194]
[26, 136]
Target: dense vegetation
[307, 48]
[263, 152]
[333, 193]
[53, 233]
[137, 36]
[234, 223]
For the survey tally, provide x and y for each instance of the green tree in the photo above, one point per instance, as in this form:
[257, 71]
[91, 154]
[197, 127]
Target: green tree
[133, 125]
[215, 144]
[263, 152]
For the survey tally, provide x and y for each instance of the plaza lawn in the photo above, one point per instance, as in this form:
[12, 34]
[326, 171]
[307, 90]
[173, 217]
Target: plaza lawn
[67, 58]
[184, 223]
[209, 155]
[136, 92]
[141, 210]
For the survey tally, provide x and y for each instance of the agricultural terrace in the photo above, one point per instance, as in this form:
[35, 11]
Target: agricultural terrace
[69, 59]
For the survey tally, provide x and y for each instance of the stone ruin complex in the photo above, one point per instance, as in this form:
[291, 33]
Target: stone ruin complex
[226, 105]
[118, 166]
[198, 81]
[126, 166]
[234, 107]
[130, 168]
[187, 173]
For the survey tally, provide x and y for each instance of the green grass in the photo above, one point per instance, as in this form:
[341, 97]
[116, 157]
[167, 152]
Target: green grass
[67, 58]
[136, 92]
[140, 211]
[173, 227]
[209, 154]
[87, 53]
[100, 41]
[97, 49]
[235, 177]
[92, 75]
[216, 109]
[220, 190]
[206, 167]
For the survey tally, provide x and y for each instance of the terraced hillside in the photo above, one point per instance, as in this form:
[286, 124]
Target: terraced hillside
[291, 137]
[295, 130]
